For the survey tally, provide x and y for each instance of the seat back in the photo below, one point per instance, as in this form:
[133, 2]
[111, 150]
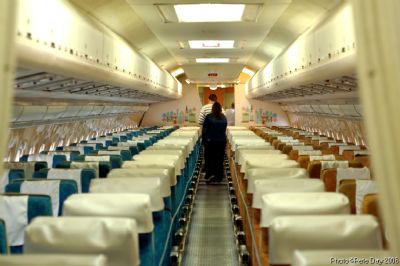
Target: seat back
[312, 203]
[52, 159]
[290, 233]
[332, 177]
[28, 167]
[17, 210]
[134, 206]
[116, 238]
[114, 160]
[82, 177]
[101, 168]
[148, 185]
[272, 173]
[51, 260]
[57, 190]
[263, 187]
[125, 154]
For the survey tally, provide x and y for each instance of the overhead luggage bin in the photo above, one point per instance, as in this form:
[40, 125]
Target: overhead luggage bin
[134, 206]
[115, 238]
[51, 260]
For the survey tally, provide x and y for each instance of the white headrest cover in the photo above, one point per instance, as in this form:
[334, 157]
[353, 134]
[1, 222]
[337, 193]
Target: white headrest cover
[51, 260]
[95, 158]
[313, 152]
[82, 165]
[334, 164]
[273, 173]
[14, 212]
[347, 148]
[134, 206]
[290, 233]
[171, 166]
[263, 187]
[364, 187]
[310, 203]
[329, 157]
[270, 164]
[336, 257]
[116, 238]
[144, 172]
[177, 159]
[242, 155]
[254, 159]
[146, 185]
[351, 173]
[303, 148]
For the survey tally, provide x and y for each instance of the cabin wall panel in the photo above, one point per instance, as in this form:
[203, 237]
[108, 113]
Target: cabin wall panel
[253, 112]
[44, 137]
[184, 111]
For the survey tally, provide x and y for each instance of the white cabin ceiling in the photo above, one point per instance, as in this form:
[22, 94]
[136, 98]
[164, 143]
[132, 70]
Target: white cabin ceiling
[279, 24]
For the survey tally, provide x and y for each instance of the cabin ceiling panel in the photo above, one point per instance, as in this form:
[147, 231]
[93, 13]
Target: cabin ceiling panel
[278, 25]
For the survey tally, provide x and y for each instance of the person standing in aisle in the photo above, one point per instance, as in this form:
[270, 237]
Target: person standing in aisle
[230, 115]
[206, 109]
[214, 139]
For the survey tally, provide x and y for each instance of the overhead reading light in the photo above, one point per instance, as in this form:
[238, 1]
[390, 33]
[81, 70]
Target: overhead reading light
[212, 60]
[211, 44]
[177, 72]
[187, 81]
[209, 12]
[213, 87]
[248, 71]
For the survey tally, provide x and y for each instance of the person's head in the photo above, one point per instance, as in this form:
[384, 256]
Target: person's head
[233, 105]
[216, 109]
[212, 97]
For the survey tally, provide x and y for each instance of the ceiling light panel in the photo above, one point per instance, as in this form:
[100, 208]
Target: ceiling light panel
[209, 12]
[212, 44]
[212, 60]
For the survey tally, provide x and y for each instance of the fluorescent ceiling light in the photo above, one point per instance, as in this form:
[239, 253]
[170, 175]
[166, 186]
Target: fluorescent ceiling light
[248, 71]
[209, 12]
[212, 60]
[211, 44]
[177, 72]
[187, 81]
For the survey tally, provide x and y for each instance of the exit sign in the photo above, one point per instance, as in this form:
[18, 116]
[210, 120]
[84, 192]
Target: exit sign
[212, 74]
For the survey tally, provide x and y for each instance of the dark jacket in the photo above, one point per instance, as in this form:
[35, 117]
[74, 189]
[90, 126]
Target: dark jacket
[214, 128]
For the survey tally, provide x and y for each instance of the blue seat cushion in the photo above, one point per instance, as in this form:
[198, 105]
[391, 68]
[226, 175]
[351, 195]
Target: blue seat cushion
[146, 249]
[3, 238]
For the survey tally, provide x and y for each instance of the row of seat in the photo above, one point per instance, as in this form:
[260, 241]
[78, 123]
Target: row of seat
[148, 189]
[285, 204]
